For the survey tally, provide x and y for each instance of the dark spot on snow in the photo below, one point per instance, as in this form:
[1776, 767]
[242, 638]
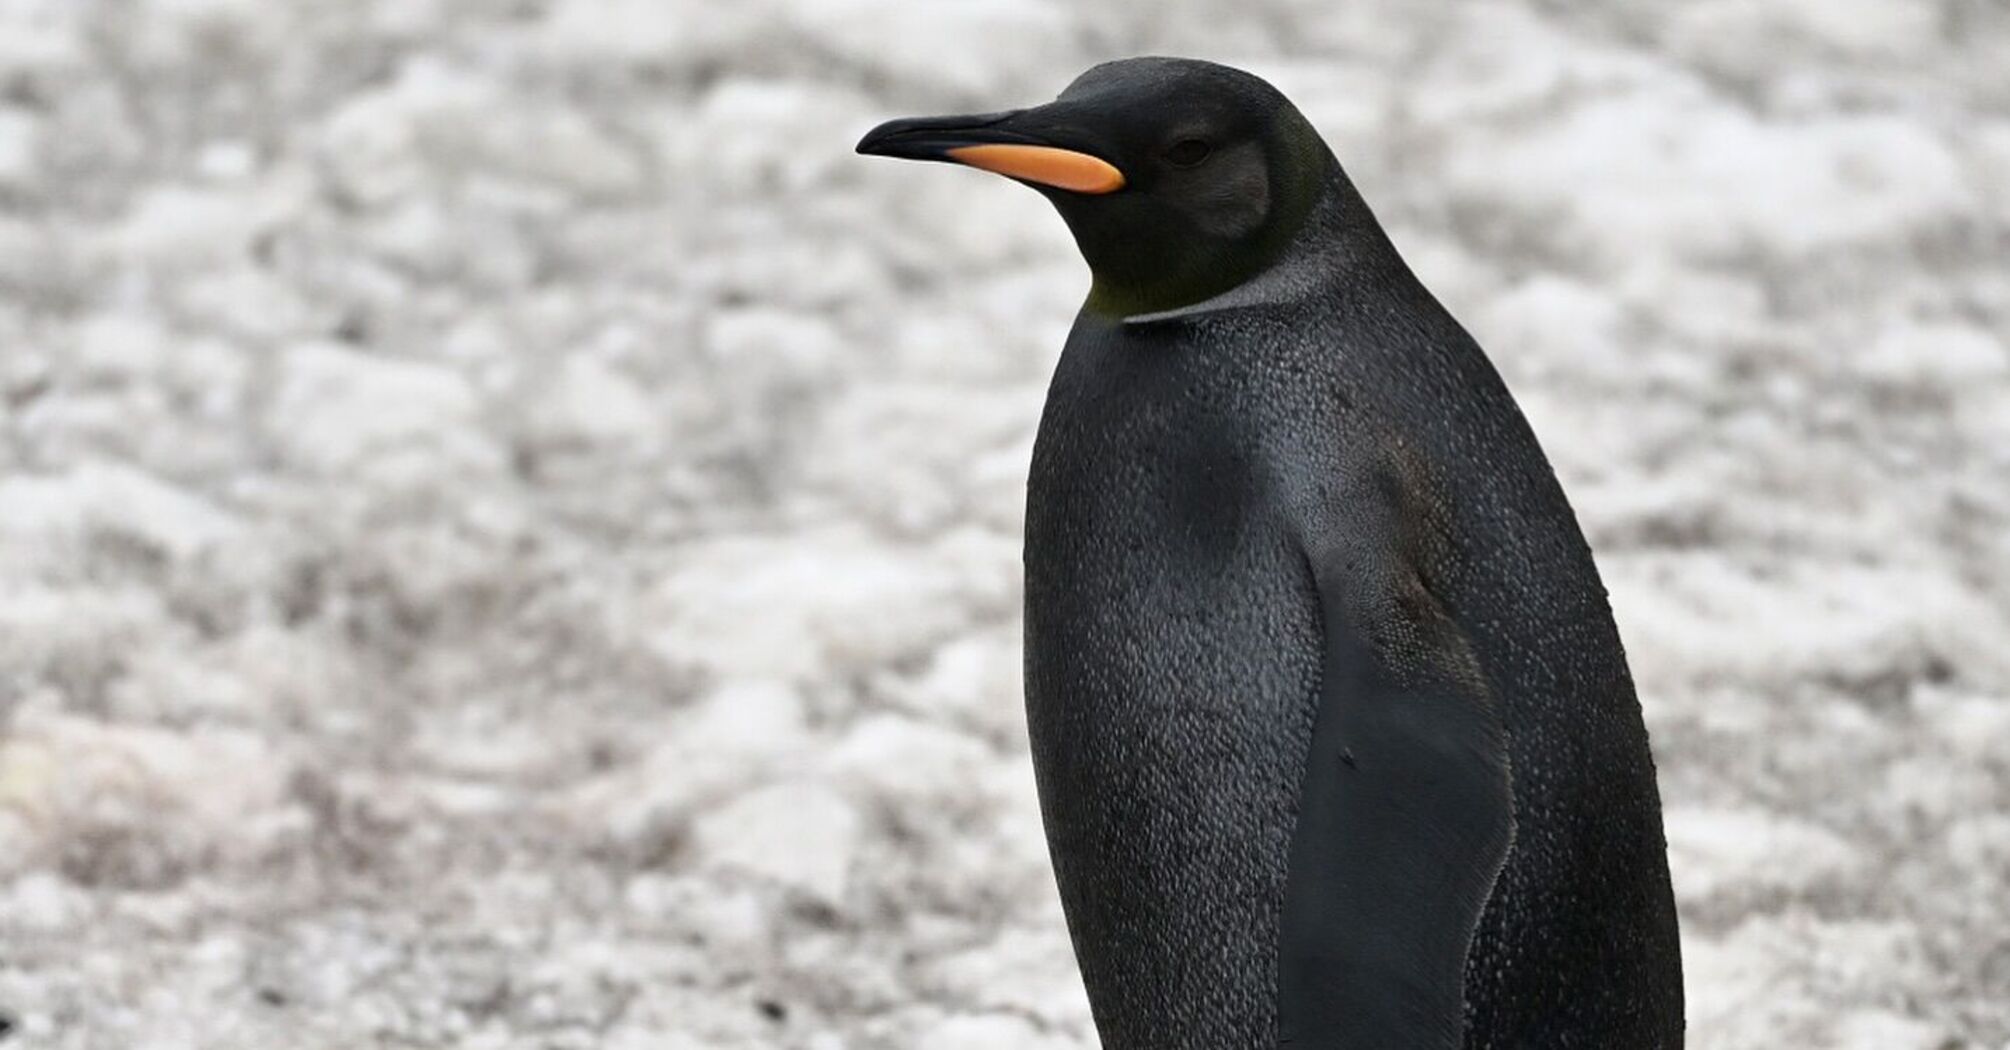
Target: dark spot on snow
[302, 592]
[272, 997]
[526, 460]
[25, 394]
[772, 1010]
[353, 327]
[1938, 670]
[6, 1024]
[814, 913]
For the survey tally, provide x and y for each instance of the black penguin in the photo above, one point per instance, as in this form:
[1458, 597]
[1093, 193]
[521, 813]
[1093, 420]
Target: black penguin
[1335, 740]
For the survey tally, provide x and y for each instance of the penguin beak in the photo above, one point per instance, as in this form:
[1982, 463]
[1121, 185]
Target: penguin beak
[993, 142]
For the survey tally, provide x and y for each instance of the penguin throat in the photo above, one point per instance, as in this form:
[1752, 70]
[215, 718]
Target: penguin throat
[1150, 285]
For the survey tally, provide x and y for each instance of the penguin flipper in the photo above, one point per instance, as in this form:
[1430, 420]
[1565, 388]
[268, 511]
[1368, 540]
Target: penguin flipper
[1406, 814]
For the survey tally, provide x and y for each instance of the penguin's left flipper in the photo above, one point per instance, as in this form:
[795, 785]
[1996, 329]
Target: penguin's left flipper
[1406, 809]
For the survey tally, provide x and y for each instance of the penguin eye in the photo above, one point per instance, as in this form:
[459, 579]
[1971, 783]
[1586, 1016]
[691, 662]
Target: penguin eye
[1188, 152]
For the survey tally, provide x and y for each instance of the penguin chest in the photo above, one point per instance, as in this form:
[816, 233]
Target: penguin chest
[1173, 648]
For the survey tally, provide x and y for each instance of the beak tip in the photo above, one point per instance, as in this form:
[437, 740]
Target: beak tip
[881, 140]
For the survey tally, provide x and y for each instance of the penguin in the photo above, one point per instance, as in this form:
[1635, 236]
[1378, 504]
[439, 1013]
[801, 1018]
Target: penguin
[1335, 740]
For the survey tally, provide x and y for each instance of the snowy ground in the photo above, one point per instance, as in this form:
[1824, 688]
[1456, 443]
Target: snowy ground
[509, 531]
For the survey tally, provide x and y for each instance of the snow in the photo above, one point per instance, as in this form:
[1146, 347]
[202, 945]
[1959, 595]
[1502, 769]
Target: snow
[1723, 181]
[19, 131]
[509, 530]
[335, 408]
[1857, 28]
[48, 516]
[804, 610]
[1947, 357]
[1712, 850]
[992, 1032]
[994, 41]
[800, 835]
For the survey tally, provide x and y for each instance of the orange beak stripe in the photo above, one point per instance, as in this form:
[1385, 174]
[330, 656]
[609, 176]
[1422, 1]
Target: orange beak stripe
[1047, 165]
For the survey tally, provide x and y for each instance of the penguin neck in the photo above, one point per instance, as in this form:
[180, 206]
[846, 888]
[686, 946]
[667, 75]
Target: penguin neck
[1335, 235]
[1320, 217]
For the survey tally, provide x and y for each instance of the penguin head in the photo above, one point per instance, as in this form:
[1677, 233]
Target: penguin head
[1180, 179]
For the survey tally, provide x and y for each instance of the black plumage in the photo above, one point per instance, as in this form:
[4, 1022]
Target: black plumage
[1335, 738]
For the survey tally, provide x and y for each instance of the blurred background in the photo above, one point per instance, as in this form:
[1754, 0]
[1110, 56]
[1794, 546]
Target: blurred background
[509, 531]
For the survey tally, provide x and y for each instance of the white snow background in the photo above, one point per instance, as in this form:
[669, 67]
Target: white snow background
[509, 530]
